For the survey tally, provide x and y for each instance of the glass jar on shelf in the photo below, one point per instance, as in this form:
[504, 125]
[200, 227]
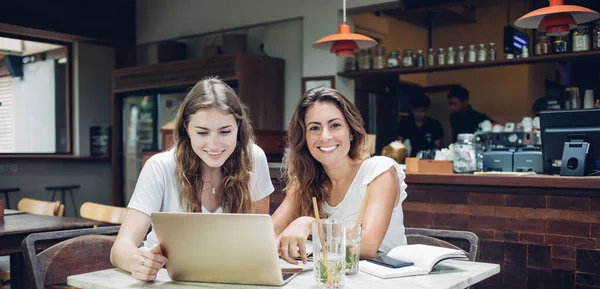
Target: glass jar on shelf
[581, 38]
[472, 53]
[482, 53]
[379, 61]
[461, 54]
[407, 59]
[491, 55]
[465, 154]
[596, 35]
[363, 60]
[451, 55]
[542, 45]
[441, 56]
[420, 59]
[430, 57]
[560, 44]
[392, 61]
[351, 62]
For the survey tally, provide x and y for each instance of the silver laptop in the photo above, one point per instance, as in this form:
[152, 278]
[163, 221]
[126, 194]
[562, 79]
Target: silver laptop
[221, 248]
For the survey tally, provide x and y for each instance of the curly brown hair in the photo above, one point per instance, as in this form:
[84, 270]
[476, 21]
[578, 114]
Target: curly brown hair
[234, 194]
[304, 174]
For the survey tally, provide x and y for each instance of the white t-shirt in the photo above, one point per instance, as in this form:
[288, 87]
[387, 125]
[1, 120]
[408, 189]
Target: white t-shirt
[157, 188]
[349, 207]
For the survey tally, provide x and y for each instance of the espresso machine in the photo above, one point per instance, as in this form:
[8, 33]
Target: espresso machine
[511, 151]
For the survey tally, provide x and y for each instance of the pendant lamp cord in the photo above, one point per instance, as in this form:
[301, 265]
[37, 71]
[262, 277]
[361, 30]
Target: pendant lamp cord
[344, 11]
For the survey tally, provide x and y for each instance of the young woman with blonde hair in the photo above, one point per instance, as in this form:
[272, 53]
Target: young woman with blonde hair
[214, 167]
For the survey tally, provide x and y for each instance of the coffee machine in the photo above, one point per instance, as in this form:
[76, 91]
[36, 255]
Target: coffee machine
[511, 151]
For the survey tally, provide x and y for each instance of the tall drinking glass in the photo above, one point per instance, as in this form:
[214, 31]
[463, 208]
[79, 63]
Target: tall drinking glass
[353, 237]
[329, 253]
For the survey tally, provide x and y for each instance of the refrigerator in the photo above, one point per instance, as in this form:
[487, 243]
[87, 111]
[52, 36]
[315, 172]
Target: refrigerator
[143, 116]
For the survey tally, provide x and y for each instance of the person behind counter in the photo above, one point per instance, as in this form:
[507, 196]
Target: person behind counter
[424, 132]
[215, 167]
[327, 160]
[464, 119]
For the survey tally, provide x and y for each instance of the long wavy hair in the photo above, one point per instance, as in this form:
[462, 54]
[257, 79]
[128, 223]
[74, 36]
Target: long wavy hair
[234, 192]
[304, 174]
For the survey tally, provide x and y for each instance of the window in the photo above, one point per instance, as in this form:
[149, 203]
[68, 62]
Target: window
[33, 97]
[7, 117]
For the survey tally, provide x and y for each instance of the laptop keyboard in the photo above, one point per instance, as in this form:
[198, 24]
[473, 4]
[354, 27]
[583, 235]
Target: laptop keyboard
[286, 275]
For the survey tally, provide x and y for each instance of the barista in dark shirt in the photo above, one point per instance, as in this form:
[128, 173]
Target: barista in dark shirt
[464, 119]
[424, 132]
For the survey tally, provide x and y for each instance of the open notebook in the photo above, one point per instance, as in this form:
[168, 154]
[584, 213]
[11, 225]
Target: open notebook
[424, 257]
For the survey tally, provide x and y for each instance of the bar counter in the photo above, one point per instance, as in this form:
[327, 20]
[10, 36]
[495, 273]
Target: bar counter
[500, 181]
[543, 230]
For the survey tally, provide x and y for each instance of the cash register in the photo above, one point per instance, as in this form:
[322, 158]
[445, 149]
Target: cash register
[571, 141]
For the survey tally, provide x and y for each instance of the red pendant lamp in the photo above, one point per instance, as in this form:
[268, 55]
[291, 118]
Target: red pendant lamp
[344, 43]
[557, 19]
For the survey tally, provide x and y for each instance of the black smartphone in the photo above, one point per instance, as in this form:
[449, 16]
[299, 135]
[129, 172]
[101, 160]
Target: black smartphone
[389, 262]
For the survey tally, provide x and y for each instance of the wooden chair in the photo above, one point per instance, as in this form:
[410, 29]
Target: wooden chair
[39, 207]
[80, 251]
[433, 237]
[102, 213]
[36, 207]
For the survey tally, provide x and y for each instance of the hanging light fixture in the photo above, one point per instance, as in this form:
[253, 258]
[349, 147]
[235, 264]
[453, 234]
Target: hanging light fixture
[557, 19]
[344, 43]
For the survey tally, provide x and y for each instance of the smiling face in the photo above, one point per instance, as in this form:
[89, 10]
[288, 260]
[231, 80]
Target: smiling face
[213, 135]
[327, 133]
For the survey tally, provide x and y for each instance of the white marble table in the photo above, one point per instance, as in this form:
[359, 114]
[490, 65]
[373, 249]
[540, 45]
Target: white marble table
[449, 274]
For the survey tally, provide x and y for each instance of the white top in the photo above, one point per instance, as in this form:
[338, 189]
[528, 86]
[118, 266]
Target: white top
[349, 207]
[157, 188]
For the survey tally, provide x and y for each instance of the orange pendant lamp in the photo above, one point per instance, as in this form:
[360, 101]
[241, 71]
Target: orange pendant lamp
[557, 19]
[344, 43]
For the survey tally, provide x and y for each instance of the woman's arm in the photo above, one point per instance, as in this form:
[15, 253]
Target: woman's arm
[262, 206]
[384, 195]
[291, 229]
[126, 253]
[286, 212]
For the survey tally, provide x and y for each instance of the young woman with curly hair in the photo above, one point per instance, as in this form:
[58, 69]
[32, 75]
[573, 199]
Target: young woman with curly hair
[327, 160]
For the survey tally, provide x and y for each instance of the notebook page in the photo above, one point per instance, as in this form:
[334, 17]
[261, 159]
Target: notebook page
[423, 256]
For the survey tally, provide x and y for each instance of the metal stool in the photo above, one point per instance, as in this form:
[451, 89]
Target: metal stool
[63, 190]
[5, 191]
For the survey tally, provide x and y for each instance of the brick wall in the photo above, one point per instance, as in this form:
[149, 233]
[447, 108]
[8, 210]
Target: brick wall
[539, 240]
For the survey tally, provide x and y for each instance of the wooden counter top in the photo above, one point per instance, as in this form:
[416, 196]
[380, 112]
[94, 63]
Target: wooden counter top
[531, 181]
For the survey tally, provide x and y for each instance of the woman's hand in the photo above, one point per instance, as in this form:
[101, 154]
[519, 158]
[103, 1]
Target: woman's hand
[292, 241]
[146, 262]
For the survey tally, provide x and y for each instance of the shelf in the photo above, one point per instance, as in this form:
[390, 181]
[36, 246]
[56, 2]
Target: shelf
[463, 66]
[64, 157]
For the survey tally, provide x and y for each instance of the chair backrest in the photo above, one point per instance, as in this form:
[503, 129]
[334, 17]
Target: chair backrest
[102, 213]
[78, 251]
[434, 237]
[61, 210]
[39, 207]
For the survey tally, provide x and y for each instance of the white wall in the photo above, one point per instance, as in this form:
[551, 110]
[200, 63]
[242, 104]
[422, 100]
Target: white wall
[158, 20]
[282, 40]
[34, 102]
[91, 105]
